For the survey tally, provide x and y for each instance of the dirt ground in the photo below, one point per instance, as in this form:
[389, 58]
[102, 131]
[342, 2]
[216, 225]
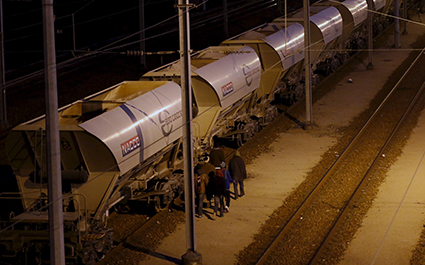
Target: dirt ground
[274, 174]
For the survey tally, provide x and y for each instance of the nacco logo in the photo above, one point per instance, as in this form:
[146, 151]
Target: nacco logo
[129, 146]
[166, 119]
[227, 89]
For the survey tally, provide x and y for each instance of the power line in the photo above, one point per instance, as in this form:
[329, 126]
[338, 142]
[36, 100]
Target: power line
[384, 50]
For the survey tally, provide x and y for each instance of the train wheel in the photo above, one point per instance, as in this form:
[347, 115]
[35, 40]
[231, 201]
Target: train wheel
[299, 93]
[159, 204]
[121, 208]
[90, 255]
[271, 114]
[108, 242]
[239, 139]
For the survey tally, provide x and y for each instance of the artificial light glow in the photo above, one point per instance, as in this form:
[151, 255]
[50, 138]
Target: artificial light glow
[292, 43]
[139, 122]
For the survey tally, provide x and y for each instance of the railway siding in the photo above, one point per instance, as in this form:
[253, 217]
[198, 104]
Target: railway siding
[281, 215]
[309, 225]
[391, 127]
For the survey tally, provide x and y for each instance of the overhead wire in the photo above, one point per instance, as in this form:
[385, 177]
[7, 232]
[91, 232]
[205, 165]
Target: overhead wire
[67, 26]
[193, 25]
[112, 167]
[180, 127]
[70, 193]
[82, 56]
[278, 61]
[94, 178]
[346, 50]
[97, 51]
[62, 17]
[161, 34]
[314, 50]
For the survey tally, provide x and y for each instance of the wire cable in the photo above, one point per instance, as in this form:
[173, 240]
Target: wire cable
[178, 128]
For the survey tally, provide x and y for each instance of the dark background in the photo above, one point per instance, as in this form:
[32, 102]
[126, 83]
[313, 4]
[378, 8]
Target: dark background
[100, 22]
[96, 23]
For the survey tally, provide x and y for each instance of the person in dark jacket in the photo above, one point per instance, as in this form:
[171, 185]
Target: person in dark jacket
[201, 183]
[238, 172]
[209, 169]
[216, 154]
[219, 191]
[229, 180]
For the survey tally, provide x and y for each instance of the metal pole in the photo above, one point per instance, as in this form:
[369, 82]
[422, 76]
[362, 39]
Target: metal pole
[286, 21]
[370, 34]
[397, 25]
[225, 18]
[57, 247]
[3, 109]
[405, 17]
[142, 31]
[307, 62]
[191, 256]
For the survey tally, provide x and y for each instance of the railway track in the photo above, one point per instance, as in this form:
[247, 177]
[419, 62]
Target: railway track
[326, 212]
[141, 224]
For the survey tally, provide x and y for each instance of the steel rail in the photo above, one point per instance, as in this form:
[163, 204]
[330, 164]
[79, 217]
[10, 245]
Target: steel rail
[357, 192]
[124, 242]
[297, 215]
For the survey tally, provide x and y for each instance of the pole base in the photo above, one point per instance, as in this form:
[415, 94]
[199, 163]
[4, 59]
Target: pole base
[192, 258]
[308, 127]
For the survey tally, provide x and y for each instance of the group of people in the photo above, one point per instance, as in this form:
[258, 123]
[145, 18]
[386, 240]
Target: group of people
[213, 178]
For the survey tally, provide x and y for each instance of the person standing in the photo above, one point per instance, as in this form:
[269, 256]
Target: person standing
[219, 191]
[209, 169]
[201, 183]
[229, 180]
[216, 154]
[238, 172]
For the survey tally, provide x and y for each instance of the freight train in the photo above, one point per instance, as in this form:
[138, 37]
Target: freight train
[124, 143]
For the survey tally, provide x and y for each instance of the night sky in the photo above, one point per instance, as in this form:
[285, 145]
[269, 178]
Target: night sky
[96, 24]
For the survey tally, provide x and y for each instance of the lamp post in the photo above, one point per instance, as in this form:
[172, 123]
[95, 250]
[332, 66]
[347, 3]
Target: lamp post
[307, 65]
[191, 256]
[57, 245]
